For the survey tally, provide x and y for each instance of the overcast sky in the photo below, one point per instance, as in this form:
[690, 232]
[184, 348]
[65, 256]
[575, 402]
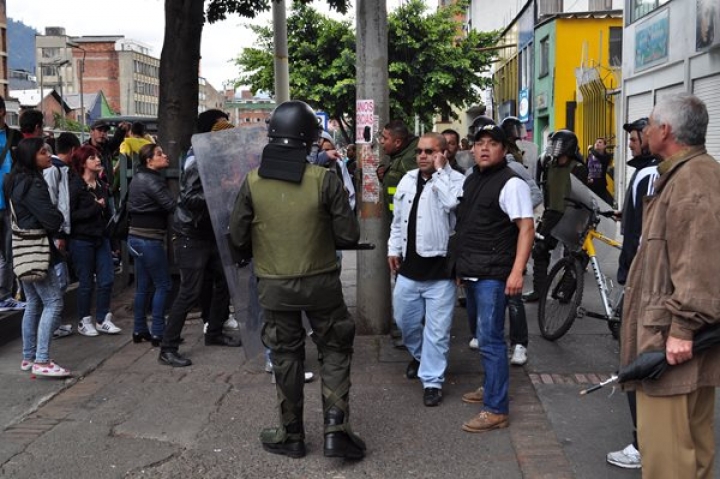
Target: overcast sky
[141, 20]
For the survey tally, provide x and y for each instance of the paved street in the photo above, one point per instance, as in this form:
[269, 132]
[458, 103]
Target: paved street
[125, 416]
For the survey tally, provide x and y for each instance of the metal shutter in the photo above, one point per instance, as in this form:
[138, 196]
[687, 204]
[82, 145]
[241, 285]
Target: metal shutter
[707, 90]
[660, 93]
[638, 106]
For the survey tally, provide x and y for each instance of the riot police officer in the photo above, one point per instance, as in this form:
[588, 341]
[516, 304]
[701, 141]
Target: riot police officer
[562, 160]
[291, 216]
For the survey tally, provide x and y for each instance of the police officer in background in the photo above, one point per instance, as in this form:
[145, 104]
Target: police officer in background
[291, 216]
[563, 159]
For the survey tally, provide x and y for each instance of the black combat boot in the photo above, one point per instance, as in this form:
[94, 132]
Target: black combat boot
[340, 441]
[288, 441]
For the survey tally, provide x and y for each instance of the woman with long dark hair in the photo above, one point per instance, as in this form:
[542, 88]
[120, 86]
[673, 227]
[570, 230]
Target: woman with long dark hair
[149, 204]
[27, 194]
[89, 247]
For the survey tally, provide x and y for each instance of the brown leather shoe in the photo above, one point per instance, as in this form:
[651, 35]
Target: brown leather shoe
[474, 397]
[486, 421]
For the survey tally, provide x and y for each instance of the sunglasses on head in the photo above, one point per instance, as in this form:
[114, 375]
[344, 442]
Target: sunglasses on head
[427, 151]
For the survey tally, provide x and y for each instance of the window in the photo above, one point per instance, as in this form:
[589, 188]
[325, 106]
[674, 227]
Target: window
[640, 8]
[616, 34]
[544, 57]
[600, 5]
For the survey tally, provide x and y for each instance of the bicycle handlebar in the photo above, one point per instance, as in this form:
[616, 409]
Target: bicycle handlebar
[593, 209]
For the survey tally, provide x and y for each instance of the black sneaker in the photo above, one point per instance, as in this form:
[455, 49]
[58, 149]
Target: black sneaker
[412, 369]
[432, 397]
[222, 340]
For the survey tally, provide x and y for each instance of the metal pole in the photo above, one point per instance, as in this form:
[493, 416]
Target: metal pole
[42, 110]
[282, 73]
[82, 91]
[373, 275]
[82, 99]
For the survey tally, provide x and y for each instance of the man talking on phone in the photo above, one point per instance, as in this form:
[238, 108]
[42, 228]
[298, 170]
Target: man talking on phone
[423, 221]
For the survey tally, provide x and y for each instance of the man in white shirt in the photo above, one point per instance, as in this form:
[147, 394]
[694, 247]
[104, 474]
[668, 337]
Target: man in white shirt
[423, 221]
[495, 233]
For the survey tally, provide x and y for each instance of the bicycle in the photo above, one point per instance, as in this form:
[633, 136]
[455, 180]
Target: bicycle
[561, 296]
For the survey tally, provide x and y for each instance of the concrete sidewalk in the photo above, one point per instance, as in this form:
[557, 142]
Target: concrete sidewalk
[124, 415]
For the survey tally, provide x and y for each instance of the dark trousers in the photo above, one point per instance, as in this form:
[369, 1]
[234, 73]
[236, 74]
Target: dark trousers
[543, 248]
[197, 259]
[320, 297]
[516, 316]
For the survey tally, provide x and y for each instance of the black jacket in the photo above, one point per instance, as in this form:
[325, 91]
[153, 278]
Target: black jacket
[192, 217]
[31, 202]
[87, 217]
[639, 186]
[149, 200]
[34, 209]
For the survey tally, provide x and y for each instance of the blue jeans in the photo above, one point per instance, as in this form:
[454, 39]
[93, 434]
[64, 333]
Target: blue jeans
[489, 301]
[92, 261]
[151, 269]
[43, 310]
[434, 301]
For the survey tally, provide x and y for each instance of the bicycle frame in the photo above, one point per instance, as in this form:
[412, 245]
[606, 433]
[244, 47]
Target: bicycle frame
[589, 248]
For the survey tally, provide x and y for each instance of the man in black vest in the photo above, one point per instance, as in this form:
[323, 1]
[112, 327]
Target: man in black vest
[495, 235]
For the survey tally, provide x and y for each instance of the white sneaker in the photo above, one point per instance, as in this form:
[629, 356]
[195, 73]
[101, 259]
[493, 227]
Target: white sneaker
[11, 304]
[231, 323]
[309, 376]
[62, 331]
[50, 370]
[107, 326]
[474, 344]
[629, 458]
[519, 355]
[86, 327]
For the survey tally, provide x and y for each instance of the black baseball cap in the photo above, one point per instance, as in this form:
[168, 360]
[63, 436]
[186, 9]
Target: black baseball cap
[100, 125]
[493, 131]
[637, 125]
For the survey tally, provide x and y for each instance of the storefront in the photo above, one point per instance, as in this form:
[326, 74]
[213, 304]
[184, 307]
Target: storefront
[663, 58]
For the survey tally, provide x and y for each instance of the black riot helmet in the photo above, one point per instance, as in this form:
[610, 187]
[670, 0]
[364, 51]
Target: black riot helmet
[563, 143]
[513, 128]
[478, 123]
[293, 123]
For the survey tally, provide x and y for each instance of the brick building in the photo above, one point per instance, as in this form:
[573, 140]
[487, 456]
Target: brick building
[248, 109]
[124, 70]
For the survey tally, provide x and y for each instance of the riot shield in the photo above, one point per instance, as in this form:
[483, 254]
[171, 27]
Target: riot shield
[224, 158]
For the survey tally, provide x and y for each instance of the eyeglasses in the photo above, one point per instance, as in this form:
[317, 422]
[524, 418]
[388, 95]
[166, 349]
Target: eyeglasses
[427, 151]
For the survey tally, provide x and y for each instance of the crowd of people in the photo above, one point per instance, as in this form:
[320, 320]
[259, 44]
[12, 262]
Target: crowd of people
[451, 224]
[478, 231]
[65, 188]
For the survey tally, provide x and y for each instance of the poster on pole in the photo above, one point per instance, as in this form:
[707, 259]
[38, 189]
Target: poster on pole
[364, 121]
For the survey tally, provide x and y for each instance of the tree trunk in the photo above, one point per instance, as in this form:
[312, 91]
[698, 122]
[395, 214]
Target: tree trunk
[179, 68]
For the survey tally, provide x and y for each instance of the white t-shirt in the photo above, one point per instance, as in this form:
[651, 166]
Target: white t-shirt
[515, 199]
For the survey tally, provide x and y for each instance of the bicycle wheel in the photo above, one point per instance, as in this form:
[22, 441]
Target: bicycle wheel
[560, 298]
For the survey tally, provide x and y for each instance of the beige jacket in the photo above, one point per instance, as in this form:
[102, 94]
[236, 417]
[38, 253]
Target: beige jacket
[674, 283]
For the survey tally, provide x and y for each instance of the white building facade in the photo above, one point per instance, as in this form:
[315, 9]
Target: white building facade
[669, 46]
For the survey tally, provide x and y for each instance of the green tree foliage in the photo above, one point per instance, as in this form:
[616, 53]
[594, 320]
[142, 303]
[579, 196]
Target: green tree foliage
[322, 61]
[432, 66]
[67, 124]
[180, 61]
